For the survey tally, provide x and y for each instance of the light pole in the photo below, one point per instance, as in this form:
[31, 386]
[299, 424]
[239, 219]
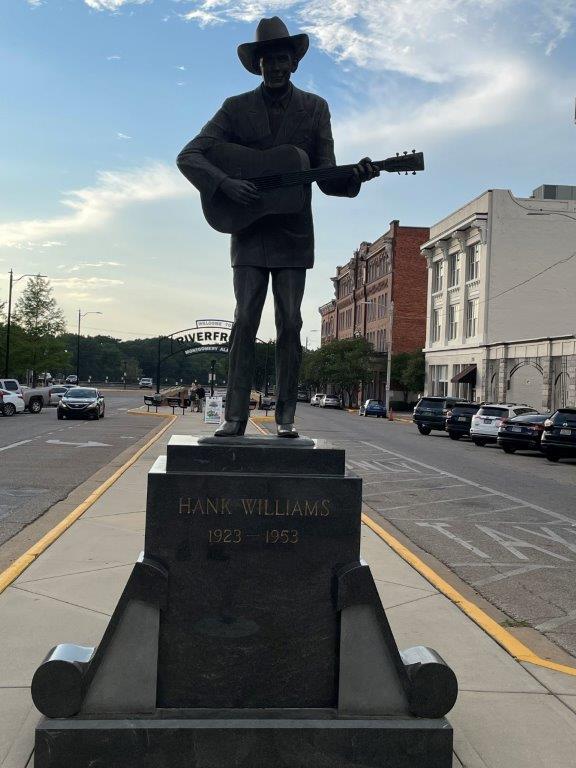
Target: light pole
[80, 316]
[389, 362]
[9, 318]
[212, 377]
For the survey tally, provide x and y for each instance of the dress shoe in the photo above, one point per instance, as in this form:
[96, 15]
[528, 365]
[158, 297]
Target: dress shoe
[231, 429]
[286, 430]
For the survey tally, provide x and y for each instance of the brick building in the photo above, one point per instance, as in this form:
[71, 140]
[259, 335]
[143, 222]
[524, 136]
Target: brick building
[380, 294]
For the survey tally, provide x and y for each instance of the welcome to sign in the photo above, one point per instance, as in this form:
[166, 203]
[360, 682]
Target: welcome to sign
[206, 336]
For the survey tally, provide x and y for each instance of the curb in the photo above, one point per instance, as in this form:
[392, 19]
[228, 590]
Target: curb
[507, 641]
[11, 573]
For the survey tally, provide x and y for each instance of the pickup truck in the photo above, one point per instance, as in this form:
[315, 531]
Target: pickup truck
[34, 399]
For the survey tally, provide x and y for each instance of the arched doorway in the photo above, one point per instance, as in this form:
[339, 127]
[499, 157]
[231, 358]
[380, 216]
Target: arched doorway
[525, 384]
[561, 390]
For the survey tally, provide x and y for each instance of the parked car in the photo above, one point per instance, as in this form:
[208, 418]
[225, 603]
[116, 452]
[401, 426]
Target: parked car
[373, 408]
[81, 402]
[145, 383]
[559, 437]
[58, 391]
[330, 401]
[34, 398]
[11, 402]
[316, 397]
[522, 433]
[459, 418]
[430, 413]
[72, 379]
[303, 396]
[487, 422]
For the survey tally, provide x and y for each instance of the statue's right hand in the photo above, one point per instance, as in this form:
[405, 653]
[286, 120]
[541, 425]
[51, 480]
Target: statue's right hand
[241, 192]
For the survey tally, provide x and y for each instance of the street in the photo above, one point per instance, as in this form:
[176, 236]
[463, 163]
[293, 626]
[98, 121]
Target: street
[43, 459]
[504, 524]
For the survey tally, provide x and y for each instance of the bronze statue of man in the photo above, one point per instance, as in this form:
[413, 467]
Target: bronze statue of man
[279, 245]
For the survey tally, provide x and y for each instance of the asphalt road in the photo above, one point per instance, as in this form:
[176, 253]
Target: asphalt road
[43, 459]
[505, 524]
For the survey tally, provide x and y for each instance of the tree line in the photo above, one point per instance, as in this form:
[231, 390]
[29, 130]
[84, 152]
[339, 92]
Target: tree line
[39, 343]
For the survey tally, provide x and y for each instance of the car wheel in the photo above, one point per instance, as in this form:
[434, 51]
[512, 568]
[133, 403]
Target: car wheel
[424, 430]
[454, 435]
[552, 457]
[477, 441]
[507, 449]
[9, 409]
[35, 405]
[102, 415]
[60, 416]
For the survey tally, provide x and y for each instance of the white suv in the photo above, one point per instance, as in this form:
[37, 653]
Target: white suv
[487, 421]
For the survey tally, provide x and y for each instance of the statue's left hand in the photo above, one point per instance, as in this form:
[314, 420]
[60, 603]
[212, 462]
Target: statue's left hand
[365, 170]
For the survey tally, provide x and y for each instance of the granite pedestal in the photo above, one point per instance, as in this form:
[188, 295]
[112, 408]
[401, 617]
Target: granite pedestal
[249, 633]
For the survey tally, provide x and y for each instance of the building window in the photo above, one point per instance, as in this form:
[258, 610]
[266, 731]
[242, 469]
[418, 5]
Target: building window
[473, 262]
[471, 317]
[437, 276]
[438, 375]
[454, 270]
[436, 325]
[452, 321]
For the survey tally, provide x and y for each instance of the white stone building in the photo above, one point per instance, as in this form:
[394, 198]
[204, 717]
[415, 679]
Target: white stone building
[501, 308]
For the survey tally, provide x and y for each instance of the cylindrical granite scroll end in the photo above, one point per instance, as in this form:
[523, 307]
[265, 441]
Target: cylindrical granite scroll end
[58, 683]
[433, 685]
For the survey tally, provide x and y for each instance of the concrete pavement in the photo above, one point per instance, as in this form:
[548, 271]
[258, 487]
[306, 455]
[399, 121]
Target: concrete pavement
[508, 715]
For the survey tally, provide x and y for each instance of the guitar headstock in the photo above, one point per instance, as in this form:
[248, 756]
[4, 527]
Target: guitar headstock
[407, 162]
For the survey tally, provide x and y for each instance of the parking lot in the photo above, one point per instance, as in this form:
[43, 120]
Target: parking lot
[504, 524]
[43, 459]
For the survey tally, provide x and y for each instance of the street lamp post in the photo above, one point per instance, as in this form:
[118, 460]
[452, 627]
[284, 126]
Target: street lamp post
[9, 319]
[80, 316]
[389, 362]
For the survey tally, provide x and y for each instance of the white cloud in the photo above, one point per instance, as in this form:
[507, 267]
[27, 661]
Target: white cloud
[85, 282]
[114, 57]
[92, 207]
[88, 265]
[121, 135]
[112, 5]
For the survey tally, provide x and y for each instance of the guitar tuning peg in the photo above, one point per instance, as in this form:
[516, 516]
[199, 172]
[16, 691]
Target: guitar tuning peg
[413, 173]
[397, 154]
[398, 172]
[413, 151]
[405, 152]
[406, 173]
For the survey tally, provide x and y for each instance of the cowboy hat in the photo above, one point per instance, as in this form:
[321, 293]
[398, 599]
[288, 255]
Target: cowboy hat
[271, 32]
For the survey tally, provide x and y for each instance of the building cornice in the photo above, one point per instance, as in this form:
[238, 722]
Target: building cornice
[475, 220]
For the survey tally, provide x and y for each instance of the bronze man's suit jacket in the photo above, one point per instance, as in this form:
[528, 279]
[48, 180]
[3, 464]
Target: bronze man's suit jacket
[279, 240]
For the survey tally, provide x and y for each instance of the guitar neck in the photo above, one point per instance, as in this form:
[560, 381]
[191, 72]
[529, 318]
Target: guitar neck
[297, 178]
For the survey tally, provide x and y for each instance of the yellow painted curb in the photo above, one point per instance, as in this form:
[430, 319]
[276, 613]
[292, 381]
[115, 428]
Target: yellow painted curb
[19, 566]
[514, 647]
[257, 426]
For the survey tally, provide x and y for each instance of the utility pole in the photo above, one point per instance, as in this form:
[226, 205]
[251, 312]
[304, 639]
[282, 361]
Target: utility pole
[158, 365]
[389, 362]
[9, 320]
[80, 316]
[212, 377]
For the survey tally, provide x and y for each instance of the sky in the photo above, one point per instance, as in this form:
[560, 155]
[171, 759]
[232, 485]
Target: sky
[97, 98]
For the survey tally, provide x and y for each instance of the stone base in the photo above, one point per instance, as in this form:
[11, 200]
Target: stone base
[314, 738]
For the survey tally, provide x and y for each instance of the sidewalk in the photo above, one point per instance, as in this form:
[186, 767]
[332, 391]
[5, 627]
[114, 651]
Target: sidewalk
[508, 715]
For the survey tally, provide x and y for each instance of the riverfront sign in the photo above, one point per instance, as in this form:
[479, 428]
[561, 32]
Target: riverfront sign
[206, 336]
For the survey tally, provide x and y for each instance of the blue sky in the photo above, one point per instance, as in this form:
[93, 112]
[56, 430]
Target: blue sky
[98, 97]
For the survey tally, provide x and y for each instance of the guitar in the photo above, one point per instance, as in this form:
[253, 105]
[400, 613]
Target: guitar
[280, 174]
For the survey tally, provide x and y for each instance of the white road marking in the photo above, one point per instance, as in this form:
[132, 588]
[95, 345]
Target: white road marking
[515, 499]
[89, 444]
[15, 445]
[437, 501]
[442, 528]
[508, 574]
[404, 480]
[514, 545]
[557, 622]
[402, 490]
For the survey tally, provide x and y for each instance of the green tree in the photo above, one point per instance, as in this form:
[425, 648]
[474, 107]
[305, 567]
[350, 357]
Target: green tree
[414, 372]
[42, 323]
[344, 364]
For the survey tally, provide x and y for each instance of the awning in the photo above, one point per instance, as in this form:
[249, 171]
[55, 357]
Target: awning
[466, 376]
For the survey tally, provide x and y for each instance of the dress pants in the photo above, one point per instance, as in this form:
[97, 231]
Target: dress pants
[250, 288]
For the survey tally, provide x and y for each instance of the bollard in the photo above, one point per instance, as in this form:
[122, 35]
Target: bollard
[390, 415]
